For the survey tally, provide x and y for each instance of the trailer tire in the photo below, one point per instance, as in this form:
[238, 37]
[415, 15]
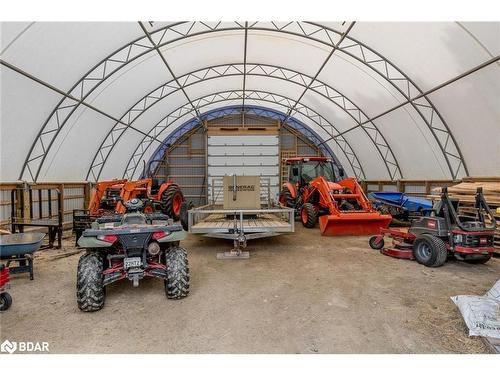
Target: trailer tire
[185, 207]
[5, 301]
[172, 199]
[430, 250]
[374, 245]
[308, 215]
[286, 198]
[177, 282]
[90, 290]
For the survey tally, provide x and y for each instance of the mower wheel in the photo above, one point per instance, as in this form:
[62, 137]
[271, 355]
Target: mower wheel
[286, 198]
[430, 250]
[374, 244]
[5, 301]
[480, 260]
[308, 215]
[177, 282]
[90, 290]
[172, 199]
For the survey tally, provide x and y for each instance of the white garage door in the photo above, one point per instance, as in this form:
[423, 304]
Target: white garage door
[244, 155]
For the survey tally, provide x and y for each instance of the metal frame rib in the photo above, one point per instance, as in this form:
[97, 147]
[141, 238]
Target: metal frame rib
[260, 96]
[182, 30]
[263, 70]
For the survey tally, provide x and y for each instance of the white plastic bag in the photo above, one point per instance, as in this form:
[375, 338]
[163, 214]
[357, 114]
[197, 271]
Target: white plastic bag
[481, 313]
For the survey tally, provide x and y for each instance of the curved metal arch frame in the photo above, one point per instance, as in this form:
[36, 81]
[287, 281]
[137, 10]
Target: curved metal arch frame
[260, 96]
[232, 110]
[252, 69]
[178, 31]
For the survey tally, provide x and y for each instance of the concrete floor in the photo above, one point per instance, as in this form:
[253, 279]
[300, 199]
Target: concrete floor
[300, 293]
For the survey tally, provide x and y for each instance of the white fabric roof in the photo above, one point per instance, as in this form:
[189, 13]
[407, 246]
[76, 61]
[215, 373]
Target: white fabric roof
[79, 99]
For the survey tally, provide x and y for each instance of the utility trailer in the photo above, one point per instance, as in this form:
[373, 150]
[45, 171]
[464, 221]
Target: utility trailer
[239, 224]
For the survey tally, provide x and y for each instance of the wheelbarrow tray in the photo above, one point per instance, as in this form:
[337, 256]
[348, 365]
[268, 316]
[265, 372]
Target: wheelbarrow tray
[20, 244]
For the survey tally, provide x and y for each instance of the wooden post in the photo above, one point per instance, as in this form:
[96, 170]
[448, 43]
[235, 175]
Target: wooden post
[26, 200]
[400, 186]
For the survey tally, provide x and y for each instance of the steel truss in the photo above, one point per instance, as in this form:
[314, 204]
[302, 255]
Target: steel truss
[264, 70]
[182, 30]
[225, 96]
[191, 124]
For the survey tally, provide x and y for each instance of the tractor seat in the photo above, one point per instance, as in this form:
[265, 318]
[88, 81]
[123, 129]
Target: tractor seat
[155, 185]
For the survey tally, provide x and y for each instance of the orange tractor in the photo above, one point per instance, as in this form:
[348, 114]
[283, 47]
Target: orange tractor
[341, 206]
[108, 197]
[164, 196]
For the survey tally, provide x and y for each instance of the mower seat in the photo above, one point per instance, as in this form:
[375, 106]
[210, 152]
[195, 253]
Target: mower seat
[438, 208]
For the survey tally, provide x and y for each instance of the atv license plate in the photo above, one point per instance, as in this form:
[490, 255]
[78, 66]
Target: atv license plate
[132, 262]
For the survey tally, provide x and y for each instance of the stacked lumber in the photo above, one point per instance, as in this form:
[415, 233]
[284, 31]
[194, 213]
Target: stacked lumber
[465, 193]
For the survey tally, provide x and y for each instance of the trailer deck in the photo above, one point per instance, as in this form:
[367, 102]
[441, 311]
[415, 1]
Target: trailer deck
[206, 221]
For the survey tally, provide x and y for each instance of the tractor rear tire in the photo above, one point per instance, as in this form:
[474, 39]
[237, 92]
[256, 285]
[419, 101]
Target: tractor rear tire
[308, 215]
[481, 260]
[170, 198]
[430, 250]
[286, 198]
[5, 301]
[90, 290]
[177, 282]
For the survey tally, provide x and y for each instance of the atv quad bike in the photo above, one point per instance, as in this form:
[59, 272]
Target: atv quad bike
[131, 246]
[340, 204]
[431, 239]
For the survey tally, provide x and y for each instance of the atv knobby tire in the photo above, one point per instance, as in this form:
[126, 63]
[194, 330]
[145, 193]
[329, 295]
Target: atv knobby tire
[308, 215]
[286, 198]
[90, 290]
[168, 198]
[430, 250]
[177, 282]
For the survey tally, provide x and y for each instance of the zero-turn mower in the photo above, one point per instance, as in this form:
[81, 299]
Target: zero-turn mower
[431, 239]
[340, 204]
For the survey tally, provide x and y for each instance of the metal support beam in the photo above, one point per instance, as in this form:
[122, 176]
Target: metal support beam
[176, 32]
[72, 98]
[163, 91]
[334, 48]
[260, 96]
[422, 95]
[244, 70]
[155, 46]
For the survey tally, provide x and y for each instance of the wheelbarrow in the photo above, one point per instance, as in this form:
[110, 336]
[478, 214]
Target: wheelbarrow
[19, 247]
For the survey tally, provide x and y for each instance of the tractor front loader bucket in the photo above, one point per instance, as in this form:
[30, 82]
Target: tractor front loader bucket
[353, 223]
